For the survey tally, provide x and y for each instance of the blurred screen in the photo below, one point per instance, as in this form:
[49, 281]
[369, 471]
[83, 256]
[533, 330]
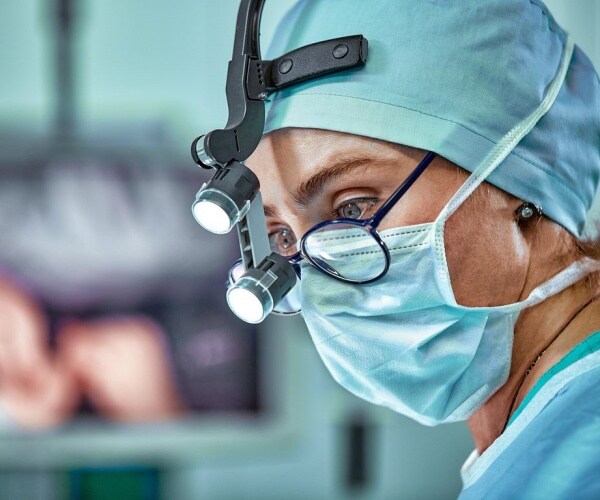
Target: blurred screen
[112, 298]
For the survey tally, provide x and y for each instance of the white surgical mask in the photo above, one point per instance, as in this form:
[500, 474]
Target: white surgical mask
[403, 341]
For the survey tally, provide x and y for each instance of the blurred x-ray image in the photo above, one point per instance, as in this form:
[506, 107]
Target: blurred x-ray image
[112, 300]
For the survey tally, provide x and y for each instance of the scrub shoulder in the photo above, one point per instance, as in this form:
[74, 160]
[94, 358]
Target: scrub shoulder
[556, 455]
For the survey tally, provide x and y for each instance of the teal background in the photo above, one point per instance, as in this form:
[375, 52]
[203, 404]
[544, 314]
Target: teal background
[141, 63]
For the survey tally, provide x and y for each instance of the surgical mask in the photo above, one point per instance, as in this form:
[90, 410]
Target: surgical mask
[403, 341]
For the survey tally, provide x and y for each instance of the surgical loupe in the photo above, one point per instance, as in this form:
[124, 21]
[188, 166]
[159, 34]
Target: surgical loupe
[232, 197]
[289, 304]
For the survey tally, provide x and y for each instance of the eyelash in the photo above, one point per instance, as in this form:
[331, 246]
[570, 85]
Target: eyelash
[370, 201]
[335, 214]
[279, 231]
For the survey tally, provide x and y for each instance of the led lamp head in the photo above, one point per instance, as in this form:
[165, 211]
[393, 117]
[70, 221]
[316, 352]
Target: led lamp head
[231, 198]
[260, 289]
[225, 199]
[289, 304]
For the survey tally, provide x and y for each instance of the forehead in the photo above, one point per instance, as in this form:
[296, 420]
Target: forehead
[291, 155]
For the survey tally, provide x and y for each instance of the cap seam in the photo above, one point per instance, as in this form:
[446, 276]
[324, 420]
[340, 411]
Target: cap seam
[551, 21]
[546, 171]
[325, 94]
[513, 152]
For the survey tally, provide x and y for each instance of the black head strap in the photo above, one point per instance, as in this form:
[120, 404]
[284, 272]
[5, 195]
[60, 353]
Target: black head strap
[250, 80]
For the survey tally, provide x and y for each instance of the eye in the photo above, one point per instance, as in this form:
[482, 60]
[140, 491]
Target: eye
[283, 241]
[357, 208]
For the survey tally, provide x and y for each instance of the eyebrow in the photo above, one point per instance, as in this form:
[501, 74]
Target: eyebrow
[269, 211]
[315, 184]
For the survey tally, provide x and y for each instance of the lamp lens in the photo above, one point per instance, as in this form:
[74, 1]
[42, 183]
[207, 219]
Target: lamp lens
[212, 217]
[288, 305]
[246, 305]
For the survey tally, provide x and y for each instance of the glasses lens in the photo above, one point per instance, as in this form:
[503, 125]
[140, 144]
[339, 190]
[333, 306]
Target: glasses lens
[290, 304]
[346, 250]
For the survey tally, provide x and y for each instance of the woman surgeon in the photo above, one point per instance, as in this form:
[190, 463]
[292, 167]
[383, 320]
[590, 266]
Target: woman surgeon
[470, 142]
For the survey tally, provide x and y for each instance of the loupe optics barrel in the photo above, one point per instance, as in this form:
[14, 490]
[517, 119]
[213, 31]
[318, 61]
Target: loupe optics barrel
[225, 199]
[253, 297]
[200, 155]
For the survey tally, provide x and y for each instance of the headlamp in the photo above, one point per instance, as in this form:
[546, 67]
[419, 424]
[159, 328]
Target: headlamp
[225, 199]
[254, 296]
[289, 305]
[232, 198]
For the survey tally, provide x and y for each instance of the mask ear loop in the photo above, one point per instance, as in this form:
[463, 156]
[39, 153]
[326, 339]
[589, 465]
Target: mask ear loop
[494, 158]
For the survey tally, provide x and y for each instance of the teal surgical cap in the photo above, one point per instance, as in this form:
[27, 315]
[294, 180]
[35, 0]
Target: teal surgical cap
[454, 77]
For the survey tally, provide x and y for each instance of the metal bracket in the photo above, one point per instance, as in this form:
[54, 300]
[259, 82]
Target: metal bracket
[304, 64]
[252, 234]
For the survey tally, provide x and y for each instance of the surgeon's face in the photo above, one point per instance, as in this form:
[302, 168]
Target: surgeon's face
[308, 176]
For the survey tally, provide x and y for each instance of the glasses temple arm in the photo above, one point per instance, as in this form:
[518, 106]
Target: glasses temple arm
[402, 189]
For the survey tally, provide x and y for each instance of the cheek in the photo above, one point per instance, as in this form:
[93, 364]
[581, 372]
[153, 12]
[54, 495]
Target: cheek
[428, 196]
[487, 256]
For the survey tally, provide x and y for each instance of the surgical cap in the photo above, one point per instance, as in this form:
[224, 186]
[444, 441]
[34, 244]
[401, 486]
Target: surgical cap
[454, 77]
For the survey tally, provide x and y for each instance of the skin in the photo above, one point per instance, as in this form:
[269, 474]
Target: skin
[119, 364]
[35, 389]
[492, 258]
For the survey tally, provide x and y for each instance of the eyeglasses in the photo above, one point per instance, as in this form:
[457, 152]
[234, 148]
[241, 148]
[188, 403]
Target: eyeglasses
[349, 250]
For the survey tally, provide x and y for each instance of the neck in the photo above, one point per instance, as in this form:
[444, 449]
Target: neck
[551, 329]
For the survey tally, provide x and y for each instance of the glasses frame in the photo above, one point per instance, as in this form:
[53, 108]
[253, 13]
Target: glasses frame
[369, 224]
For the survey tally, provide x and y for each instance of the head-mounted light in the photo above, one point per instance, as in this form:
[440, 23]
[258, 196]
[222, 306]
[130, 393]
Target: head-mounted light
[256, 293]
[225, 199]
[289, 305]
[232, 198]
